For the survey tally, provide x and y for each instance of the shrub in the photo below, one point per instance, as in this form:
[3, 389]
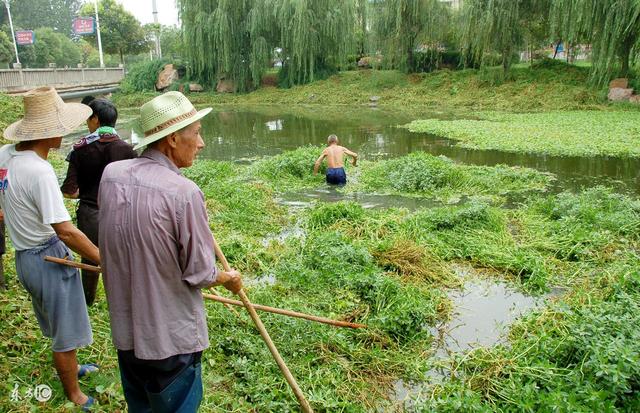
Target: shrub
[142, 76]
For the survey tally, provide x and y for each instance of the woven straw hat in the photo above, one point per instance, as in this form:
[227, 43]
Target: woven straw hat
[166, 114]
[46, 116]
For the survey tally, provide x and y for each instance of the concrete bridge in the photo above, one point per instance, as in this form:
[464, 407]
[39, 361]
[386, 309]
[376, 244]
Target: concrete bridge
[70, 83]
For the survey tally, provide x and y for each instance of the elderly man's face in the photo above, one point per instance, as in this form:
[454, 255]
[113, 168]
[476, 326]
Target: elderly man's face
[189, 143]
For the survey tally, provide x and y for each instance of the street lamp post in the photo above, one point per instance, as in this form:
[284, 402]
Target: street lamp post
[154, 9]
[95, 4]
[13, 35]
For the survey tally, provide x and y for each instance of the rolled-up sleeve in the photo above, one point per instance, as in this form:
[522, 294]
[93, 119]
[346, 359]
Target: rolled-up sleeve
[196, 255]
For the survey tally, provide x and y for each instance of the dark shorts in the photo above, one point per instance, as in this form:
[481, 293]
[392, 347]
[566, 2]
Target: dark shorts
[56, 295]
[161, 386]
[336, 176]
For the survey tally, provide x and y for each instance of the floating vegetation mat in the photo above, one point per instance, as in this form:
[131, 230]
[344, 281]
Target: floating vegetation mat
[392, 269]
[576, 133]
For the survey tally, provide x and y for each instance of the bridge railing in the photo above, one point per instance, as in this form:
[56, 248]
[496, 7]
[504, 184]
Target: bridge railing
[24, 79]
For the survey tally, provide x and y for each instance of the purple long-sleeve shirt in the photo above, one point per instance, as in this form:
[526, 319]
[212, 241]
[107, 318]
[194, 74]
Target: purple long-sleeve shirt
[156, 253]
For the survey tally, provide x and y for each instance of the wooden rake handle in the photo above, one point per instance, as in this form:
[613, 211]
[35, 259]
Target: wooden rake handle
[304, 404]
[214, 296]
[74, 264]
[281, 311]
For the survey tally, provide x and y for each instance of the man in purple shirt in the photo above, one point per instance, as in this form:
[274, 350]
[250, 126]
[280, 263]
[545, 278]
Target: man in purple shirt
[157, 253]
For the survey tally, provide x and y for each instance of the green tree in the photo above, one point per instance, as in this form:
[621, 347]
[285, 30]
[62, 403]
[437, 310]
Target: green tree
[33, 14]
[501, 26]
[50, 47]
[316, 36]
[228, 38]
[6, 48]
[404, 27]
[237, 38]
[612, 27]
[121, 32]
[171, 43]
[86, 49]
[362, 31]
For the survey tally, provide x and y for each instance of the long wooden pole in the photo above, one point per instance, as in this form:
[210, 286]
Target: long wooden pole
[74, 264]
[304, 404]
[93, 268]
[289, 313]
[227, 301]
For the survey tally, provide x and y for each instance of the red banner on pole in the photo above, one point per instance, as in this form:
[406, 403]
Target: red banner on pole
[84, 25]
[25, 37]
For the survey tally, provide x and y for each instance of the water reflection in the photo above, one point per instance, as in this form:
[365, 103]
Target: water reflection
[483, 311]
[306, 198]
[249, 133]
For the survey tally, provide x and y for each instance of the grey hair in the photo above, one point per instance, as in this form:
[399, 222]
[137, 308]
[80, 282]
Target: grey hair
[332, 139]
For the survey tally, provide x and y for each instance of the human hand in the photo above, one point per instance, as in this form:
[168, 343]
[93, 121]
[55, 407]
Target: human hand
[234, 283]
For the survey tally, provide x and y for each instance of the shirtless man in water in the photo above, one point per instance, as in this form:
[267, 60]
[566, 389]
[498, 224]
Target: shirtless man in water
[335, 160]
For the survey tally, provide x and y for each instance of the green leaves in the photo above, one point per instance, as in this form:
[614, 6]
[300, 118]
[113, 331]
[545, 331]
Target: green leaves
[582, 133]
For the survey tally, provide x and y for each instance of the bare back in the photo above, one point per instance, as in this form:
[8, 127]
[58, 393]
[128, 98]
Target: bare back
[335, 156]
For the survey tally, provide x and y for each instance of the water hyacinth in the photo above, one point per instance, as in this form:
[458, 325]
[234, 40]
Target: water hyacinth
[597, 133]
[391, 269]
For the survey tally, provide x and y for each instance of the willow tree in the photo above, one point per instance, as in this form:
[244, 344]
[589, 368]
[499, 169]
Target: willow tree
[612, 27]
[403, 27]
[316, 36]
[499, 26]
[362, 31]
[236, 38]
[228, 39]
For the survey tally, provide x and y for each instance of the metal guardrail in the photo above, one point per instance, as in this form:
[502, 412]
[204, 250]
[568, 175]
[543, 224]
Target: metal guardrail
[19, 80]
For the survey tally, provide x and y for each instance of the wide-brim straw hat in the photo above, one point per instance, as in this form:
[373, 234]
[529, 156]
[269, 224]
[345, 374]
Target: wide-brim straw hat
[166, 114]
[46, 115]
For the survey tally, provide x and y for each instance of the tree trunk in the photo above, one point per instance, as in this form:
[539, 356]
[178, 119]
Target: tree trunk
[506, 60]
[410, 60]
[121, 57]
[555, 52]
[625, 56]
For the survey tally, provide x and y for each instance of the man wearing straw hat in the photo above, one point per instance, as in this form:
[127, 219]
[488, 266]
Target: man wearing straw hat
[157, 254]
[39, 225]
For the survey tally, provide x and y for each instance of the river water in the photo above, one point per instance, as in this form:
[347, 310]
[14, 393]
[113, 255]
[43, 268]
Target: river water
[245, 134]
[483, 309]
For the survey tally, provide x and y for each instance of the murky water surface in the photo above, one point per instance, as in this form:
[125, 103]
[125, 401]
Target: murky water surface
[245, 134]
[483, 309]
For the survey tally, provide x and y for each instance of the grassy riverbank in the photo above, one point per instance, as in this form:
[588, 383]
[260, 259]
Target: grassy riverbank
[392, 268]
[389, 268]
[545, 87]
[545, 109]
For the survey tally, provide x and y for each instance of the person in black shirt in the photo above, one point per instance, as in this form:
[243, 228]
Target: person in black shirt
[87, 160]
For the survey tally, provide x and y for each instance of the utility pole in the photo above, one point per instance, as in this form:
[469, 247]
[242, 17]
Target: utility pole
[155, 20]
[95, 4]
[13, 35]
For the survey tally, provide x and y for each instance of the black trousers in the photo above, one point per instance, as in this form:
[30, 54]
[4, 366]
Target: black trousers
[87, 216]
